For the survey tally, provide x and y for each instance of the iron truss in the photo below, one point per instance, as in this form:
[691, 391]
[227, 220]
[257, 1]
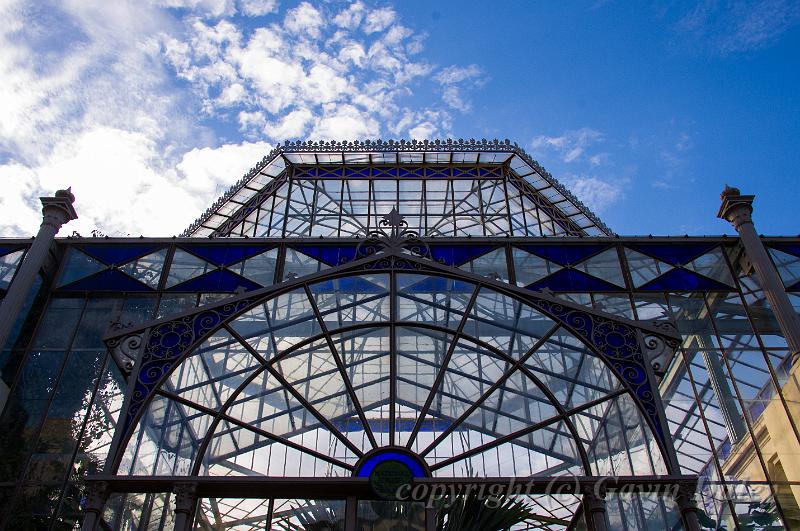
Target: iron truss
[272, 172]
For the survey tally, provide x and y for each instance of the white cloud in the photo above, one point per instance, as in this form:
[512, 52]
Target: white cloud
[453, 78]
[345, 122]
[305, 21]
[293, 125]
[457, 74]
[121, 99]
[351, 17]
[596, 193]
[121, 183]
[570, 146]
[258, 8]
[379, 20]
[423, 131]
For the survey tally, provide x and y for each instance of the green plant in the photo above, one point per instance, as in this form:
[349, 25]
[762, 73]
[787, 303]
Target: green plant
[473, 513]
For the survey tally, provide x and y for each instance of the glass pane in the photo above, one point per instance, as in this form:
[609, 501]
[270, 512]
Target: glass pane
[186, 266]
[8, 266]
[147, 269]
[432, 300]
[309, 514]
[420, 354]
[377, 515]
[78, 266]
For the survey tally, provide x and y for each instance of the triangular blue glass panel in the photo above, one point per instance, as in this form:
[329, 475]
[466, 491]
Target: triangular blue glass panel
[713, 266]
[259, 268]
[297, 264]
[794, 287]
[790, 248]
[674, 253]
[220, 280]
[108, 280]
[118, 254]
[225, 254]
[788, 266]
[572, 280]
[438, 285]
[349, 285]
[5, 249]
[456, 255]
[491, 265]
[79, 265]
[565, 254]
[330, 254]
[682, 279]
[147, 269]
[8, 266]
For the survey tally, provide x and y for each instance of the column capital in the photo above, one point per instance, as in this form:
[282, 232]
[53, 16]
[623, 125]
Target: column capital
[594, 497]
[58, 210]
[95, 496]
[736, 208]
[185, 497]
[685, 498]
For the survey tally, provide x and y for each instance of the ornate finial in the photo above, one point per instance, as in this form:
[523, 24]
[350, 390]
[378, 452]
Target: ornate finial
[394, 220]
[729, 191]
[66, 194]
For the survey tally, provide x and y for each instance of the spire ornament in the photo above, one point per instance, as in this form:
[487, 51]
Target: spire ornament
[393, 234]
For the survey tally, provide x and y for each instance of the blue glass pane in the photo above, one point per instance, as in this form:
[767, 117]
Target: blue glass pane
[791, 248]
[572, 280]
[455, 255]
[329, 254]
[681, 279]
[404, 425]
[794, 287]
[217, 280]
[108, 280]
[439, 285]
[8, 266]
[5, 249]
[79, 265]
[225, 254]
[118, 254]
[565, 254]
[147, 269]
[413, 464]
[347, 285]
[674, 253]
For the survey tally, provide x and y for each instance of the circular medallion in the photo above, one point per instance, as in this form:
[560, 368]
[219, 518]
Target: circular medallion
[389, 469]
[388, 477]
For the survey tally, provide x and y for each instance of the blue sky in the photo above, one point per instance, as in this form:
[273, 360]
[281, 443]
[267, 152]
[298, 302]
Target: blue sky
[151, 109]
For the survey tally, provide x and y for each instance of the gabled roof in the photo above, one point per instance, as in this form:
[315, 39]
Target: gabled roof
[536, 189]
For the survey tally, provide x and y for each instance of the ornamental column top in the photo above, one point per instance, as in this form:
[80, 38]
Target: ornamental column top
[58, 210]
[735, 208]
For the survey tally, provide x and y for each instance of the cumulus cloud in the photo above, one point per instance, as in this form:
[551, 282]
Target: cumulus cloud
[258, 8]
[132, 103]
[454, 79]
[596, 193]
[569, 146]
[585, 171]
[121, 183]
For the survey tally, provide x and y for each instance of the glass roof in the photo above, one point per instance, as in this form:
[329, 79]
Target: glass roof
[263, 191]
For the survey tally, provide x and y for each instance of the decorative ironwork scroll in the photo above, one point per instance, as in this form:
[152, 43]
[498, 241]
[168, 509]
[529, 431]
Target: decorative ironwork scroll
[397, 238]
[619, 344]
[167, 342]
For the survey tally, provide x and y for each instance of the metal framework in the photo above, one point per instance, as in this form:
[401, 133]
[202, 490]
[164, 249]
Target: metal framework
[393, 349]
[449, 188]
[446, 301]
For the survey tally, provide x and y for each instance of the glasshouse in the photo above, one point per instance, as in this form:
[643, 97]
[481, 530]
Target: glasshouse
[399, 336]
